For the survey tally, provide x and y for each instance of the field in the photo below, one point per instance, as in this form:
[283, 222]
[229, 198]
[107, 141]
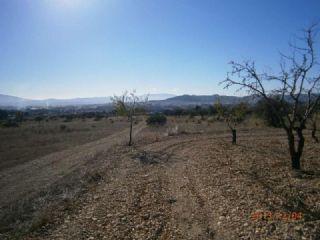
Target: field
[32, 140]
[184, 180]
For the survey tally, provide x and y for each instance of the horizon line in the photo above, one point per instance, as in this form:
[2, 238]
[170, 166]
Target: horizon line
[107, 96]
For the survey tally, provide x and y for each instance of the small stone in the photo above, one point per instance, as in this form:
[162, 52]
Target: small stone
[172, 200]
[297, 228]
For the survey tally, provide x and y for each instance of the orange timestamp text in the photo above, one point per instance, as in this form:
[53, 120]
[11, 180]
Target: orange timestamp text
[282, 216]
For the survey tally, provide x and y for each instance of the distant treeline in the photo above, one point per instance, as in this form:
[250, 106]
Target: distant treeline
[12, 118]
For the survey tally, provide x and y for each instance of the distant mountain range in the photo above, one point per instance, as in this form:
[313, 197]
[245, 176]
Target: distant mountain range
[156, 101]
[17, 102]
[193, 100]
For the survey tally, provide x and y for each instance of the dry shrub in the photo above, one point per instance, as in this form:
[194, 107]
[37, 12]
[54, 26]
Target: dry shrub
[175, 130]
[172, 131]
[210, 119]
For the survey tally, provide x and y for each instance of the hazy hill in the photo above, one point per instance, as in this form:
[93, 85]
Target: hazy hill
[191, 100]
[11, 101]
[17, 102]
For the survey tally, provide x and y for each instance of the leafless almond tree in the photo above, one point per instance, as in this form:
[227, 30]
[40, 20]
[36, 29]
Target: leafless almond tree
[127, 105]
[232, 116]
[296, 88]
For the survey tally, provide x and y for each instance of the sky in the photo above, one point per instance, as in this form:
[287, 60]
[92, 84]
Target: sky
[89, 48]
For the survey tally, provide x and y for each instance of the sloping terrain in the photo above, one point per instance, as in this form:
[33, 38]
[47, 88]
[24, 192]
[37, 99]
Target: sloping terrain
[43, 171]
[28, 188]
[33, 140]
[196, 186]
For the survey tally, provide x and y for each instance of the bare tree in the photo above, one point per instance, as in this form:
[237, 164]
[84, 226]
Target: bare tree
[232, 117]
[297, 83]
[127, 105]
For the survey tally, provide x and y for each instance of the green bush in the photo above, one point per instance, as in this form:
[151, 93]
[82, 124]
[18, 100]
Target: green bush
[264, 111]
[38, 119]
[157, 119]
[68, 118]
[9, 123]
[97, 118]
[3, 114]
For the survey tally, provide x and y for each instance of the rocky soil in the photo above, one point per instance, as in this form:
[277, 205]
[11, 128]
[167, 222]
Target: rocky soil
[196, 186]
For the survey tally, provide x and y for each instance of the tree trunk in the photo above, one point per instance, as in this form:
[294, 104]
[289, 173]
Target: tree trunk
[295, 154]
[300, 146]
[234, 136]
[295, 161]
[313, 133]
[130, 137]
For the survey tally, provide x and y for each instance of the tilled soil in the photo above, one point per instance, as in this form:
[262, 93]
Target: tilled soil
[197, 186]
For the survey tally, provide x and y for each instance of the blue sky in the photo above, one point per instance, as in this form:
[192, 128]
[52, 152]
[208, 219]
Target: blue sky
[78, 48]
